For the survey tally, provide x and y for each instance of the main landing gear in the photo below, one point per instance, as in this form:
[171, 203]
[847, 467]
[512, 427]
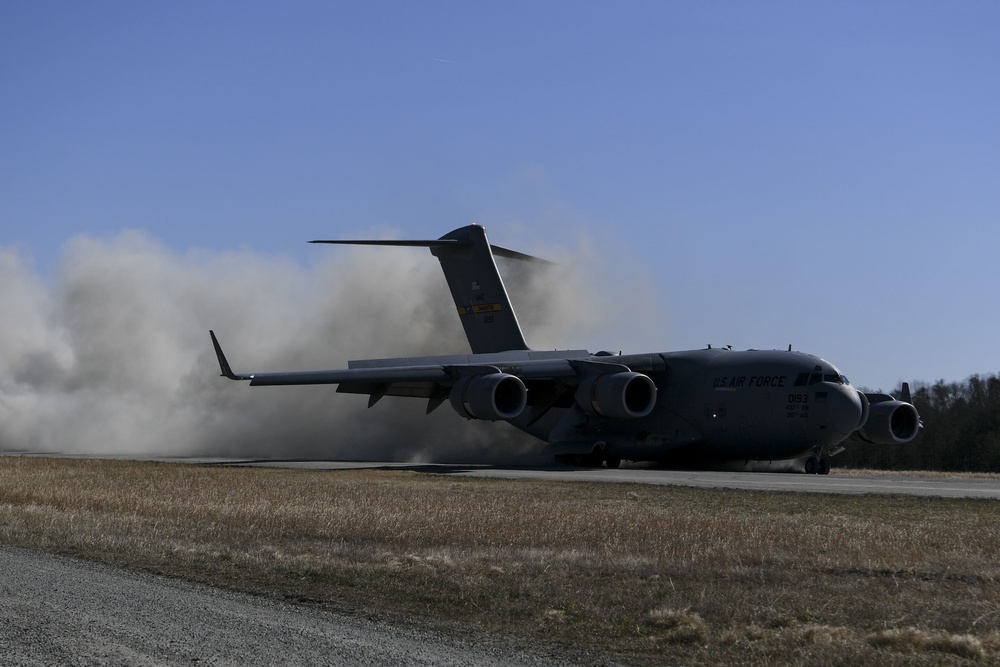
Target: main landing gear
[588, 461]
[597, 457]
[816, 465]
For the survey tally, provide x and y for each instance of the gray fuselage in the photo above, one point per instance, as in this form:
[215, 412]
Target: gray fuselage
[718, 403]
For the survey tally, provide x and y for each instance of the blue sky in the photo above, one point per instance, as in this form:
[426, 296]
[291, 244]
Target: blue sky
[820, 174]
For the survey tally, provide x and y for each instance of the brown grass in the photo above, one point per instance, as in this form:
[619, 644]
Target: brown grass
[638, 574]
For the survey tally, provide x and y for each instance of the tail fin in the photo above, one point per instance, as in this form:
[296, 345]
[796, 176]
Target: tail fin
[479, 293]
[483, 305]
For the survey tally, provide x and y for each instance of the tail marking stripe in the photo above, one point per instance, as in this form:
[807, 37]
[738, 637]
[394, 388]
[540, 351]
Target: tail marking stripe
[478, 310]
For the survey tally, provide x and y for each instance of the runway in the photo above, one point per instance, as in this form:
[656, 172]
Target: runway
[927, 485]
[941, 487]
[56, 610]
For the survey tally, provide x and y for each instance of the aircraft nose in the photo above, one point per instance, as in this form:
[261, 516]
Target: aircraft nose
[846, 410]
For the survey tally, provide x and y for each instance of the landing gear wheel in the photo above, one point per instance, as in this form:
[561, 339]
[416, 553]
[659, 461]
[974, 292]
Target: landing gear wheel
[812, 465]
[824, 467]
[613, 463]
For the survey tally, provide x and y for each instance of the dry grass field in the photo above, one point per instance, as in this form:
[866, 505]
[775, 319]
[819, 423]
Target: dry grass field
[603, 572]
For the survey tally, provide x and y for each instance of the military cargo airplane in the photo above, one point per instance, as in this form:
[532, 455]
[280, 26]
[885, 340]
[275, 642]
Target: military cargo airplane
[755, 409]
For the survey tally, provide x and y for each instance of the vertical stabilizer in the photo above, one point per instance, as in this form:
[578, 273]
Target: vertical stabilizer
[483, 306]
[479, 293]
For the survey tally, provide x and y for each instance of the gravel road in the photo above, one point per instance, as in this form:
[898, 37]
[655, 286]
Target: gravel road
[59, 611]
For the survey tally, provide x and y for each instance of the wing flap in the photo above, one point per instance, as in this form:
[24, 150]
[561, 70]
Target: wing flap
[405, 389]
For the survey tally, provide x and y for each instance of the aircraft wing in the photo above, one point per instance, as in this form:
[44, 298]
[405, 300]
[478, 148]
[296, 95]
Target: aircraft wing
[430, 373]
[553, 375]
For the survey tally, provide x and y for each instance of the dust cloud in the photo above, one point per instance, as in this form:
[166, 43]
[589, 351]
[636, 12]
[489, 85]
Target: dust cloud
[111, 355]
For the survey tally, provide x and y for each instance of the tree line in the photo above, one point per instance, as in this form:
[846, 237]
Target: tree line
[961, 431]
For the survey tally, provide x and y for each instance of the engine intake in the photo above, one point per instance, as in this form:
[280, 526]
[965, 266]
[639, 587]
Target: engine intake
[492, 397]
[890, 422]
[625, 395]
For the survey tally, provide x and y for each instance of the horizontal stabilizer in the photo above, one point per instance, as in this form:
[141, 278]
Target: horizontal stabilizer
[435, 243]
[498, 251]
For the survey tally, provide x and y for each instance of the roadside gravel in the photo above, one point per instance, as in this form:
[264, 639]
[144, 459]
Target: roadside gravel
[56, 610]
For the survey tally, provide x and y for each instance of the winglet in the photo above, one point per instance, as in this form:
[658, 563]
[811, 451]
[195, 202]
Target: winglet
[223, 363]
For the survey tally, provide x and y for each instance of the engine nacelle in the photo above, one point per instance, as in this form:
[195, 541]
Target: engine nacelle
[890, 422]
[492, 397]
[624, 395]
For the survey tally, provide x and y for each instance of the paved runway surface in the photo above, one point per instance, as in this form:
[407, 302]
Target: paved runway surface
[757, 481]
[926, 486]
[58, 611]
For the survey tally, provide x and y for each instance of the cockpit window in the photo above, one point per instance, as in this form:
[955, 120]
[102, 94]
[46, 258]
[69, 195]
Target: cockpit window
[804, 379]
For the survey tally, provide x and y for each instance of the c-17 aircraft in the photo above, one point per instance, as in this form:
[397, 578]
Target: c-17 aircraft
[754, 409]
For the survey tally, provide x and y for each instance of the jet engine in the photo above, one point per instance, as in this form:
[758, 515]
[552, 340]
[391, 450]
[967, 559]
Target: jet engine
[890, 422]
[625, 395]
[492, 396]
